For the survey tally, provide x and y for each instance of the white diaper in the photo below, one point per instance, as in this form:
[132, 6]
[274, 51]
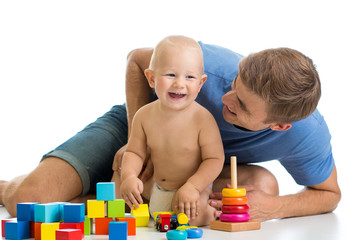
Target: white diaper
[160, 199]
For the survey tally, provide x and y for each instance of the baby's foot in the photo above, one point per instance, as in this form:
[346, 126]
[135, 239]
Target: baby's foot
[3, 185]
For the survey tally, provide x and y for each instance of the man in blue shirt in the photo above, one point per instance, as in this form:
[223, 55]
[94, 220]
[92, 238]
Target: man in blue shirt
[265, 107]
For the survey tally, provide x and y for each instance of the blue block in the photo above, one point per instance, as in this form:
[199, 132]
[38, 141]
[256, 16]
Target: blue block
[47, 213]
[118, 231]
[106, 191]
[61, 209]
[74, 213]
[25, 211]
[17, 230]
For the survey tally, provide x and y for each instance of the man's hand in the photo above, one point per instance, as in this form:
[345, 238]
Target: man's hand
[130, 190]
[186, 200]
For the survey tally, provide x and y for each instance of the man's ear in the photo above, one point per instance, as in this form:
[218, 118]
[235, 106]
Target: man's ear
[150, 77]
[280, 126]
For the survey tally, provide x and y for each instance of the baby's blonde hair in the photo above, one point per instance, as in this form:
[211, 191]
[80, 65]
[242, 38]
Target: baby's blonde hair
[177, 41]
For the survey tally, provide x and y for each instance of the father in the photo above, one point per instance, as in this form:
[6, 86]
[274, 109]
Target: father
[265, 106]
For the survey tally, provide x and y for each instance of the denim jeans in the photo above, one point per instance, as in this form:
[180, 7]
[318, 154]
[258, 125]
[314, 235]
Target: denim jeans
[91, 151]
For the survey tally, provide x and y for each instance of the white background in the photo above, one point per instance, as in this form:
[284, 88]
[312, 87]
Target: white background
[62, 64]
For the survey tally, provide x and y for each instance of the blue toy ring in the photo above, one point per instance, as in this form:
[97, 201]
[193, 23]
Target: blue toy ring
[194, 232]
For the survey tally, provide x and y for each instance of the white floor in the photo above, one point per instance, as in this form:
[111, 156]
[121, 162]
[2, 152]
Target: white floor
[330, 226]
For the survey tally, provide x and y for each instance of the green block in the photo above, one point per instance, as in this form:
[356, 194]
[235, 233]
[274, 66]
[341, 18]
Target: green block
[116, 208]
[87, 226]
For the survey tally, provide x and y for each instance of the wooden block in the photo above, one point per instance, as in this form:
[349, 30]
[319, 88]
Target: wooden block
[118, 231]
[25, 211]
[48, 230]
[141, 215]
[102, 226]
[3, 221]
[68, 234]
[37, 231]
[79, 226]
[235, 227]
[105, 191]
[87, 226]
[116, 208]
[47, 213]
[16, 230]
[74, 213]
[131, 224]
[96, 209]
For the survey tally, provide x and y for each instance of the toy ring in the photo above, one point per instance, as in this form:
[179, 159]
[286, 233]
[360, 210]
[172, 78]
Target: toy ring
[230, 192]
[194, 232]
[234, 201]
[177, 235]
[244, 217]
[235, 209]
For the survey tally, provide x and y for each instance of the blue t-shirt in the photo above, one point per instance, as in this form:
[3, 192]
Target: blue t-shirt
[304, 150]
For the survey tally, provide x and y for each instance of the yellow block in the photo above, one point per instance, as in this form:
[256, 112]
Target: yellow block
[96, 209]
[141, 215]
[48, 230]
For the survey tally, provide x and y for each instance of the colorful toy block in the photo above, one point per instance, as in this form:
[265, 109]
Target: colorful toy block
[118, 231]
[47, 213]
[116, 208]
[106, 191]
[61, 209]
[17, 230]
[3, 221]
[96, 209]
[68, 234]
[74, 213]
[102, 226]
[25, 211]
[141, 215]
[48, 230]
[79, 226]
[131, 224]
[87, 226]
[37, 231]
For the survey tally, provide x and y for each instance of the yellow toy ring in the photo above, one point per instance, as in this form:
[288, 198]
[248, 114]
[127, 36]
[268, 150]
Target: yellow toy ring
[230, 192]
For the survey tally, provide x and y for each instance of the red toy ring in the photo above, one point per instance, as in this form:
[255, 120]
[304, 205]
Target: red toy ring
[235, 209]
[244, 217]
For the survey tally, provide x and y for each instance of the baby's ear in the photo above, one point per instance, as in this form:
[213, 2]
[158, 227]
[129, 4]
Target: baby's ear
[150, 77]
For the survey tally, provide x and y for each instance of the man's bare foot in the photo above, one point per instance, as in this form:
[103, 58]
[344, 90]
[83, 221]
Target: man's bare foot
[3, 185]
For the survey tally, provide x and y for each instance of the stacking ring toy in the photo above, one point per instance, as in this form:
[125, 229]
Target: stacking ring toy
[230, 192]
[234, 201]
[235, 209]
[177, 235]
[194, 232]
[244, 217]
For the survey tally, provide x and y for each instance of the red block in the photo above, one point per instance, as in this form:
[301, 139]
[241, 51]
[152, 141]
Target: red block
[68, 234]
[32, 229]
[102, 226]
[131, 224]
[79, 226]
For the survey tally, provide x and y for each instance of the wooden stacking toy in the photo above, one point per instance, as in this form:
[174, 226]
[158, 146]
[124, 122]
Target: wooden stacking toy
[234, 216]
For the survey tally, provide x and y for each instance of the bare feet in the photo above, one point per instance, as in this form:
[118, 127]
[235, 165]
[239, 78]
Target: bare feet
[3, 185]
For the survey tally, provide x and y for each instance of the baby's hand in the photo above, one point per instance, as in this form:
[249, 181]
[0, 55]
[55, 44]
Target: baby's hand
[186, 200]
[130, 190]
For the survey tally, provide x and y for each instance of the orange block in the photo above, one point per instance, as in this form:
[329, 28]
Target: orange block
[131, 224]
[37, 231]
[102, 226]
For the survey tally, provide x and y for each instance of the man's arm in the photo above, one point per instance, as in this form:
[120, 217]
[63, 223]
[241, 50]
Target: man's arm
[317, 199]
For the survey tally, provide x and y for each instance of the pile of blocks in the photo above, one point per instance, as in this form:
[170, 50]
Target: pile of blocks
[67, 221]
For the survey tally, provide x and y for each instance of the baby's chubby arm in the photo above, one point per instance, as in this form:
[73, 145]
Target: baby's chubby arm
[187, 197]
[131, 186]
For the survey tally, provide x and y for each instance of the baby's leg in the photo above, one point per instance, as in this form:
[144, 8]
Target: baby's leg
[206, 212]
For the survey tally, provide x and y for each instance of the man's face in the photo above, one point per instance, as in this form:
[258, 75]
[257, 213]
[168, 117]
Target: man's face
[244, 108]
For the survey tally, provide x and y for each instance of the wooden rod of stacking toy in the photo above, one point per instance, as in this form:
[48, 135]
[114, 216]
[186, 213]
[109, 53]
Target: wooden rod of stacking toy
[234, 172]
